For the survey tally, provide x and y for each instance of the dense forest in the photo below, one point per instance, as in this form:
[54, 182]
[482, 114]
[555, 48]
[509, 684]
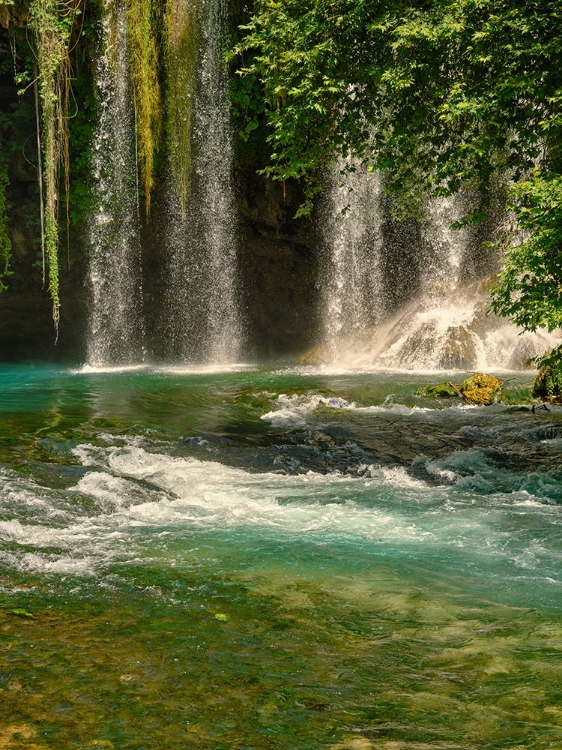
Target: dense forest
[440, 96]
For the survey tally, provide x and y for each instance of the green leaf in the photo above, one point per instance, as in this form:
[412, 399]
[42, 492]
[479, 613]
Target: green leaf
[20, 613]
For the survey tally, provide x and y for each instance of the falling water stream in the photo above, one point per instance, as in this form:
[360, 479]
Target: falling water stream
[201, 290]
[353, 290]
[214, 189]
[197, 314]
[115, 335]
[440, 318]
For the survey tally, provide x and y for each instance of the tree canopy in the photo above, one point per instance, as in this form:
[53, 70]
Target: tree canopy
[453, 90]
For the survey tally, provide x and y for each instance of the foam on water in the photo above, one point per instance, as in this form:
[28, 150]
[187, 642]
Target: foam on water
[203, 369]
[130, 489]
[207, 369]
[293, 410]
[93, 370]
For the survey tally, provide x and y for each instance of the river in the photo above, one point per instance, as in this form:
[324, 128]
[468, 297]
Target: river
[276, 557]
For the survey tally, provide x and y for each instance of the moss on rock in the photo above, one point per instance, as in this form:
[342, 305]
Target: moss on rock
[481, 388]
[441, 390]
[477, 389]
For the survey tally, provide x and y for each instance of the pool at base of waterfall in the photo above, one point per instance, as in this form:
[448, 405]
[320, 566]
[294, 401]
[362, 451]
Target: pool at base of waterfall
[267, 558]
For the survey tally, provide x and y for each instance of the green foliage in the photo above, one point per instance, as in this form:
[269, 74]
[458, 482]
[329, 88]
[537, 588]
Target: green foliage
[52, 22]
[439, 94]
[83, 116]
[447, 92]
[529, 289]
[248, 105]
[548, 383]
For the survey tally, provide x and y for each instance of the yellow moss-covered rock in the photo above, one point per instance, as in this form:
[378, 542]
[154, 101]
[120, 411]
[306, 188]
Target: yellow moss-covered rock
[481, 388]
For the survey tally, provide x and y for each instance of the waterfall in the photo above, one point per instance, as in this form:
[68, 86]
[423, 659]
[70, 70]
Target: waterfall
[410, 295]
[194, 315]
[201, 313]
[115, 335]
[353, 294]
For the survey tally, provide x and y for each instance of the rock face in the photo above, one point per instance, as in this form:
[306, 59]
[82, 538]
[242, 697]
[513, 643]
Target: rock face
[26, 326]
[278, 267]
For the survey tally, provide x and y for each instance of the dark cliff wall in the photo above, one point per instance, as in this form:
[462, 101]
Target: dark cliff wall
[278, 267]
[26, 326]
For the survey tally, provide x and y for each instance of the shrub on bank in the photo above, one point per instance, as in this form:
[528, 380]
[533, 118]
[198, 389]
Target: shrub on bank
[548, 383]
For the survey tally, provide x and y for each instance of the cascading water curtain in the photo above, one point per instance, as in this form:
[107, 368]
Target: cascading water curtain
[115, 335]
[353, 284]
[202, 306]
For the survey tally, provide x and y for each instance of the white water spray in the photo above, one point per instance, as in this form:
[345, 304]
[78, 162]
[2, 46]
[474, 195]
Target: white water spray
[440, 321]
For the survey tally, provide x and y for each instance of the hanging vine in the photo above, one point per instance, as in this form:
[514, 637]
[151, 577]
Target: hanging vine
[182, 37]
[143, 55]
[52, 22]
[5, 244]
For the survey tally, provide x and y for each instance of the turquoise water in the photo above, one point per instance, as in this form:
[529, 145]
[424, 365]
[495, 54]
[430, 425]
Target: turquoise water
[276, 559]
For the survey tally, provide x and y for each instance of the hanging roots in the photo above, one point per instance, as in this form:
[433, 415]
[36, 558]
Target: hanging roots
[52, 22]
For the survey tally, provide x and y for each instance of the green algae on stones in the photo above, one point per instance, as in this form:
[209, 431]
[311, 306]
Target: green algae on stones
[441, 390]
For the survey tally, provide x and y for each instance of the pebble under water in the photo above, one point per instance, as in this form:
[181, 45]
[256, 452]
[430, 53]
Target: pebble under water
[266, 559]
